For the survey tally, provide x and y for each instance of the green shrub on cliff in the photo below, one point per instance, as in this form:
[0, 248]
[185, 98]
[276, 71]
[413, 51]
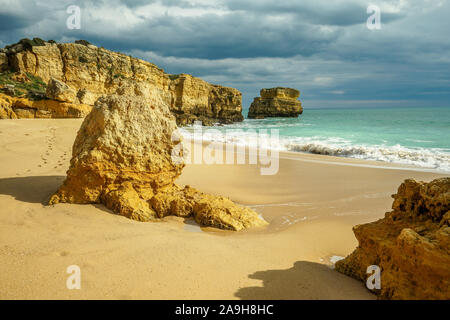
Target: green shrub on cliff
[83, 59]
[174, 76]
[32, 86]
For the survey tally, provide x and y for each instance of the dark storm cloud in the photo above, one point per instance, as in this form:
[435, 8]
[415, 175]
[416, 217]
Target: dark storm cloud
[315, 12]
[247, 29]
[10, 22]
[321, 47]
[213, 37]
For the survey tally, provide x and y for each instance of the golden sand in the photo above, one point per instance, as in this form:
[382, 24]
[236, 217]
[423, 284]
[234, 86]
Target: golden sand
[311, 204]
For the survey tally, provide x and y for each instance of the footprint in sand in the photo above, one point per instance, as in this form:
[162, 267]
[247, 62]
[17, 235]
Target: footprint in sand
[61, 253]
[46, 157]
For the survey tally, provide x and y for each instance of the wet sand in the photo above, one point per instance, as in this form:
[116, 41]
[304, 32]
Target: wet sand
[311, 204]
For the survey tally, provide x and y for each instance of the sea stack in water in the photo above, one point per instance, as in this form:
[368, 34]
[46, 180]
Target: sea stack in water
[411, 245]
[276, 102]
[122, 158]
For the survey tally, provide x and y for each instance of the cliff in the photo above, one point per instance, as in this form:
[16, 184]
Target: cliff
[93, 72]
[411, 244]
[122, 158]
[276, 102]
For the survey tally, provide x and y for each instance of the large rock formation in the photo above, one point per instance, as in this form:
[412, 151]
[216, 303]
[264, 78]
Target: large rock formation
[122, 157]
[93, 72]
[193, 99]
[276, 102]
[411, 244]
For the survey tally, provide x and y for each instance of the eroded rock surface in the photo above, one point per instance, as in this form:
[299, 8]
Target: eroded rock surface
[16, 107]
[93, 72]
[411, 244]
[276, 102]
[58, 90]
[3, 62]
[122, 158]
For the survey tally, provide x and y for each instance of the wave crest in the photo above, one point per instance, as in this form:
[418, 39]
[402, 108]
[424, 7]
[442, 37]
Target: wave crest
[425, 158]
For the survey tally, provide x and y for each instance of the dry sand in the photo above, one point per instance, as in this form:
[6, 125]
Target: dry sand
[311, 204]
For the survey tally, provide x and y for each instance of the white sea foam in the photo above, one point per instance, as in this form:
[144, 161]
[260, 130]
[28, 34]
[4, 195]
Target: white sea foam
[432, 158]
[429, 158]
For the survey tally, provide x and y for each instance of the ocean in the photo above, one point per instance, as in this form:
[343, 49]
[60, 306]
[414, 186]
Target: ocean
[413, 136]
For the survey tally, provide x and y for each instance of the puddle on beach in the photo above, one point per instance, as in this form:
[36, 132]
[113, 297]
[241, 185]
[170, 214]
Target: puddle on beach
[330, 261]
[283, 215]
[191, 226]
[279, 216]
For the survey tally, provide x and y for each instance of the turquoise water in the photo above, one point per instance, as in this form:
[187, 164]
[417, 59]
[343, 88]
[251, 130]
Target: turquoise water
[414, 136]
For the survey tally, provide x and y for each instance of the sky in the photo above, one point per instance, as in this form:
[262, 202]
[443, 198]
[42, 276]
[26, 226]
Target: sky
[323, 48]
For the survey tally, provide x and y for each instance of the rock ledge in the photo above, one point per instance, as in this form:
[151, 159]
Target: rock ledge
[411, 244]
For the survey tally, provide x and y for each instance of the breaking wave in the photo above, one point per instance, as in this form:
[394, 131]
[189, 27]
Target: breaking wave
[437, 159]
[427, 158]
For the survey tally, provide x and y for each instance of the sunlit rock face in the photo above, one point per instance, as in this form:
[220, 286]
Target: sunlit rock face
[122, 157]
[16, 107]
[276, 102]
[93, 72]
[411, 244]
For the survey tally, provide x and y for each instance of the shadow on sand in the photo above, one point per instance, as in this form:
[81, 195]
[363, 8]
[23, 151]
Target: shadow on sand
[305, 280]
[34, 189]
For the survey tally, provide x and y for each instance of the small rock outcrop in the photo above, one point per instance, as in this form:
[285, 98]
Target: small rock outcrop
[276, 102]
[17, 107]
[58, 90]
[93, 72]
[122, 157]
[23, 95]
[411, 244]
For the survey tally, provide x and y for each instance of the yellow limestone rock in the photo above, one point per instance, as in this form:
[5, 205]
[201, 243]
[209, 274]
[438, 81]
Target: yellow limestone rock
[93, 72]
[60, 91]
[122, 158]
[411, 244]
[3, 61]
[15, 107]
[276, 102]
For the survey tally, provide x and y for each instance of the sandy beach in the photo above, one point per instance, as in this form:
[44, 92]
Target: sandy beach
[311, 205]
